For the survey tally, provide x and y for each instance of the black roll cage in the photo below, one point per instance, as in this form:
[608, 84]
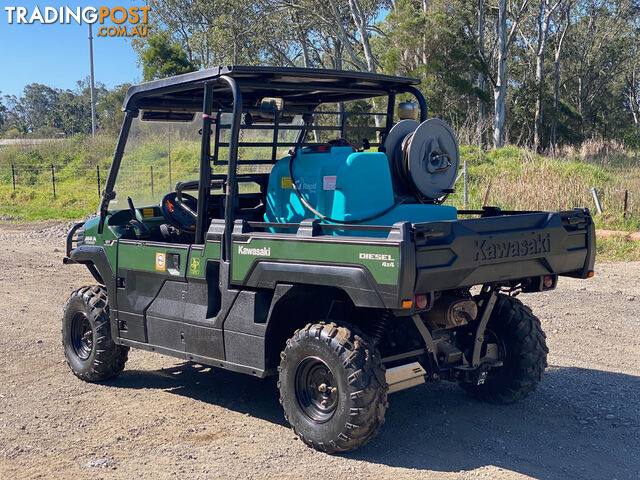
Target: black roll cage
[236, 110]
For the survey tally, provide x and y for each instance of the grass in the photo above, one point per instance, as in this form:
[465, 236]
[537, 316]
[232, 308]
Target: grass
[518, 179]
[617, 248]
[521, 180]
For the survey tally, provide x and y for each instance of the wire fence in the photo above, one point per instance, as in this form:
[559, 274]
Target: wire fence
[150, 182]
[54, 178]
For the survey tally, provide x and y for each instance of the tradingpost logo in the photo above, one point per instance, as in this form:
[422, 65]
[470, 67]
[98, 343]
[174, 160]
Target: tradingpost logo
[127, 22]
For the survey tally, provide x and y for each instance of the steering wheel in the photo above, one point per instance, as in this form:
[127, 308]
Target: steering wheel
[179, 209]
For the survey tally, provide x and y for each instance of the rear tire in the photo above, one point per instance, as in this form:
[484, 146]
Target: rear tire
[91, 353]
[332, 387]
[523, 349]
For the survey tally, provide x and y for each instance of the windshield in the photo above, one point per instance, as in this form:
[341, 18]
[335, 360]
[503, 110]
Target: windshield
[156, 157]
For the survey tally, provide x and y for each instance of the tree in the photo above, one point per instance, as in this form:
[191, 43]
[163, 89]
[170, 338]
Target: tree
[633, 91]
[335, 33]
[16, 114]
[38, 102]
[163, 57]
[3, 115]
[481, 84]
[563, 23]
[598, 50]
[505, 34]
[547, 8]
[433, 43]
[109, 108]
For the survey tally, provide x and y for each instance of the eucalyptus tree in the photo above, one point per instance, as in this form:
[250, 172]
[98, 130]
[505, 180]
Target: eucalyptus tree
[435, 42]
[599, 49]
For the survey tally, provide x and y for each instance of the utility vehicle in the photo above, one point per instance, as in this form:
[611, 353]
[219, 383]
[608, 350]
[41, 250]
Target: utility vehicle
[309, 239]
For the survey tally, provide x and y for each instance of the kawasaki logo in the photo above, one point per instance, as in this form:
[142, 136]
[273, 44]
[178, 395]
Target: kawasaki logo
[262, 252]
[487, 250]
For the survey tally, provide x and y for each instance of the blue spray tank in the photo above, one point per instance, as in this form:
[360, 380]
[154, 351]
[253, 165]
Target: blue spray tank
[338, 185]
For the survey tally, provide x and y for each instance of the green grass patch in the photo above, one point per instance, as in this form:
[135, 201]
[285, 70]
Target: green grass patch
[73, 200]
[617, 249]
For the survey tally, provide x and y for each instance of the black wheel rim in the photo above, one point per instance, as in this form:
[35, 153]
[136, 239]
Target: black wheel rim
[81, 335]
[316, 390]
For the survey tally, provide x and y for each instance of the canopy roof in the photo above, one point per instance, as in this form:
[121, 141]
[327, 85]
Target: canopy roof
[298, 87]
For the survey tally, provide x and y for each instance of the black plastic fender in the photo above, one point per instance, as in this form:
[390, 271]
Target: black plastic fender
[96, 260]
[356, 282]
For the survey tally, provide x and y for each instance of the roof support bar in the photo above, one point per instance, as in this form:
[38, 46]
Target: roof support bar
[391, 106]
[230, 194]
[204, 185]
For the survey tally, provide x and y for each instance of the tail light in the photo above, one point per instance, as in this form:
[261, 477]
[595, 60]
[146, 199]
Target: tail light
[421, 301]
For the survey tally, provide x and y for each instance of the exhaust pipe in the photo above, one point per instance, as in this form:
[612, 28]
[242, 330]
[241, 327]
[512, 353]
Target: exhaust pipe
[405, 376]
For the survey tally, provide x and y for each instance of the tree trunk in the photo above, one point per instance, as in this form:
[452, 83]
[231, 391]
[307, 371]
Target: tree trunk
[632, 93]
[556, 78]
[342, 35]
[580, 89]
[302, 38]
[358, 19]
[556, 94]
[482, 109]
[500, 88]
[543, 34]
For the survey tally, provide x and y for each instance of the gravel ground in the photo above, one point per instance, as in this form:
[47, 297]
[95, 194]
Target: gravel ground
[163, 418]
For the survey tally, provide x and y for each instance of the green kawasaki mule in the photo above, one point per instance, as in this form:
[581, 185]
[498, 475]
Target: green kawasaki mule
[311, 240]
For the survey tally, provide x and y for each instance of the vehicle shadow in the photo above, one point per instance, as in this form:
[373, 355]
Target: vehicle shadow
[580, 423]
[236, 391]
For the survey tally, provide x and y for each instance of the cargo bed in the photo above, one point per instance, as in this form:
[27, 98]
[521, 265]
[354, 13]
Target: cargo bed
[507, 246]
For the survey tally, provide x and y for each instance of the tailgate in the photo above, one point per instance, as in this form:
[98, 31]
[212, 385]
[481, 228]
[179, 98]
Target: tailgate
[507, 247]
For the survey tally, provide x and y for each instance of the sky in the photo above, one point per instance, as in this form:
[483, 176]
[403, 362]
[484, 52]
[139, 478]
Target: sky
[58, 55]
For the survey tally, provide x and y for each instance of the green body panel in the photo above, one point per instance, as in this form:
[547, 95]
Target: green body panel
[143, 257]
[198, 258]
[382, 261]
[112, 254]
[91, 237]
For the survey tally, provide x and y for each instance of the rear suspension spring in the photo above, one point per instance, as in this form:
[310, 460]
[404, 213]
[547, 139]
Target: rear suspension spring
[379, 326]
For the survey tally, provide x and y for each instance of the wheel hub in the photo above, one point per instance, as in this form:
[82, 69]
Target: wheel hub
[316, 390]
[81, 335]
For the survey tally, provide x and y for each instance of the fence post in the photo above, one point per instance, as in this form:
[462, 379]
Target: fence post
[625, 203]
[596, 199]
[53, 180]
[466, 184]
[486, 195]
[13, 176]
[98, 172]
[151, 168]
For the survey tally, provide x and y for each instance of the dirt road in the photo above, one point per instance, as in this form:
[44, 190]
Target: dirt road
[163, 418]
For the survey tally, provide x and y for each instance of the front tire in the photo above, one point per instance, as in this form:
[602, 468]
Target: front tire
[332, 387]
[523, 350]
[91, 353]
